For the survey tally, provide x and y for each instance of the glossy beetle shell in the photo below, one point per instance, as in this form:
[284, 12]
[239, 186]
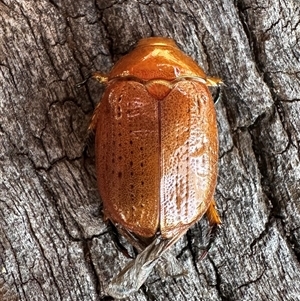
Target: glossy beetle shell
[156, 141]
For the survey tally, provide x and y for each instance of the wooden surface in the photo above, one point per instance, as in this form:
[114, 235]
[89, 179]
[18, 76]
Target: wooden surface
[54, 244]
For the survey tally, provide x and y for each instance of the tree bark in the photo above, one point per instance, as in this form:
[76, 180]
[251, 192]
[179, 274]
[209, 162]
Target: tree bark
[54, 244]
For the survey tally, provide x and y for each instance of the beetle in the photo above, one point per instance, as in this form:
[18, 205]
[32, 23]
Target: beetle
[156, 152]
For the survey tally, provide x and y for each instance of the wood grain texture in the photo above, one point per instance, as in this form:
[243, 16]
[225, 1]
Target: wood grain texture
[53, 241]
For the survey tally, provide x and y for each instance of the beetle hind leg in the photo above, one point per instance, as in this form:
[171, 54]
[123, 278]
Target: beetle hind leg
[214, 221]
[213, 215]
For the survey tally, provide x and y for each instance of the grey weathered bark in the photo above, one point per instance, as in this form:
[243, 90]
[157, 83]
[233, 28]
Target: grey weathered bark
[53, 241]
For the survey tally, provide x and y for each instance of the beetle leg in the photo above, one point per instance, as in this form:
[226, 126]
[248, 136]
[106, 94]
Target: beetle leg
[213, 215]
[213, 81]
[116, 239]
[218, 95]
[94, 119]
[102, 78]
[79, 85]
[214, 221]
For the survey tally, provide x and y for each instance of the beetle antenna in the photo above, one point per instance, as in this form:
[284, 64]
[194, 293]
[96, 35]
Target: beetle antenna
[102, 78]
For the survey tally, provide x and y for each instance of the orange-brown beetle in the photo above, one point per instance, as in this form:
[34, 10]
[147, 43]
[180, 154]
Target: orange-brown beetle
[156, 151]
